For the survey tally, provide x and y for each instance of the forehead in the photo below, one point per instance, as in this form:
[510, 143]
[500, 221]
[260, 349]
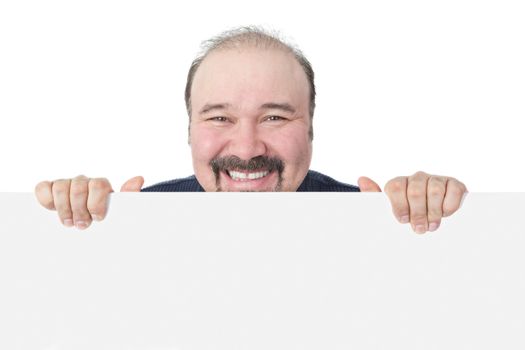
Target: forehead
[249, 77]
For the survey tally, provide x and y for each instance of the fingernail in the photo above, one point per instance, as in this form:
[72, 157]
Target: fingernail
[96, 217]
[68, 222]
[420, 229]
[404, 219]
[433, 226]
[81, 225]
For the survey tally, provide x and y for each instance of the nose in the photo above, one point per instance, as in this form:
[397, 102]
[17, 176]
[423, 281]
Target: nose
[246, 142]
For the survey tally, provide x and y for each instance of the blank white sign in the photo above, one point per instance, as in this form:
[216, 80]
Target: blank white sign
[262, 271]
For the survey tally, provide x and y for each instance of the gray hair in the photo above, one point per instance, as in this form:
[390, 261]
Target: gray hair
[258, 37]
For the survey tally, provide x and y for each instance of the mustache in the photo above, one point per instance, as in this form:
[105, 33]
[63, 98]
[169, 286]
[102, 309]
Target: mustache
[257, 163]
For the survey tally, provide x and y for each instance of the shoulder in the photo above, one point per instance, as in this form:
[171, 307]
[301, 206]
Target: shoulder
[187, 184]
[317, 182]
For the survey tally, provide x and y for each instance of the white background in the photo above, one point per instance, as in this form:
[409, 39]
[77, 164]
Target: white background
[96, 87]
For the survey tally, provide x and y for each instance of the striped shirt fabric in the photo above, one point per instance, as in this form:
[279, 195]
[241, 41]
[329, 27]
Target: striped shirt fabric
[313, 182]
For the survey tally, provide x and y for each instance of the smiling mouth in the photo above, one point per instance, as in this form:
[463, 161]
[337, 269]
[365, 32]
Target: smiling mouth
[247, 176]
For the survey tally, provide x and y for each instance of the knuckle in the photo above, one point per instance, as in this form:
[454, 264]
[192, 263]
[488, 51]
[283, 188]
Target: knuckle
[419, 220]
[435, 213]
[79, 187]
[77, 190]
[60, 187]
[64, 212]
[97, 213]
[98, 205]
[81, 216]
[99, 184]
[80, 213]
[449, 209]
[460, 186]
[455, 190]
[416, 192]
[59, 192]
[79, 208]
[395, 185]
[419, 174]
[402, 215]
[418, 216]
[399, 210]
[434, 179]
[436, 191]
[61, 202]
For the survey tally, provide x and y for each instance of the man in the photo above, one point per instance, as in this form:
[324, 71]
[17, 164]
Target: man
[250, 99]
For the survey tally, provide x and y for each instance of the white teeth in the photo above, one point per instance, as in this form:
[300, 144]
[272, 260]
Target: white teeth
[238, 176]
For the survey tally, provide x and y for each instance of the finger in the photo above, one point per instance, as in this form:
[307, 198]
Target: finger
[78, 196]
[60, 190]
[417, 201]
[396, 190]
[368, 185]
[436, 188]
[97, 203]
[455, 193]
[133, 185]
[44, 195]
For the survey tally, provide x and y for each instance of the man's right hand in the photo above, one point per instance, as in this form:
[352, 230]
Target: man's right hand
[80, 200]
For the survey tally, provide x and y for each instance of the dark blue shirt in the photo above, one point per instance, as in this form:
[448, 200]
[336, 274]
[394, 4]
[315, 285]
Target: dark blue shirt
[313, 182]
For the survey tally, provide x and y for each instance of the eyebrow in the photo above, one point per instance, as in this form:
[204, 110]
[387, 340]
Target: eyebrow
[286, 107]
[213, 106]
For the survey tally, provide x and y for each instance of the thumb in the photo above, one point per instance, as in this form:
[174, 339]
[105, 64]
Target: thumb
[133, 185]
[367, 185]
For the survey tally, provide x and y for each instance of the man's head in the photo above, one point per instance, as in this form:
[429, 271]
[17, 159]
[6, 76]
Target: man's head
[250, 98]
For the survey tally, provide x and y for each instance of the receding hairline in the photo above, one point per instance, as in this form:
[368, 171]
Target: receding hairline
[251, 36]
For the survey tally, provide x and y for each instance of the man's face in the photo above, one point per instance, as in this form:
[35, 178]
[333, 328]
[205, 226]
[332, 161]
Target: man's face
[250, 121]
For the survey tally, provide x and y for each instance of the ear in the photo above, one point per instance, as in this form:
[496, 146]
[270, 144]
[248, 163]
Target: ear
[189, 134]
[311, 130]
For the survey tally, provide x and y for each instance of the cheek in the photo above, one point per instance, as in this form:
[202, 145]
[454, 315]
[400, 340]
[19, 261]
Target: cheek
[293, 145]
[205, 144]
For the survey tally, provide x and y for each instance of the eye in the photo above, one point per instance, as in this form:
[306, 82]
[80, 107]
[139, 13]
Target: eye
[218, 119]
[275, 118]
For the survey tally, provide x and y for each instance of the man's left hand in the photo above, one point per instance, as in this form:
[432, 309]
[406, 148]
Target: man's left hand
[421, 199]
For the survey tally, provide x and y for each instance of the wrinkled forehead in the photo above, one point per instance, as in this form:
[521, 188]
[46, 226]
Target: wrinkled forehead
[249, 77]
